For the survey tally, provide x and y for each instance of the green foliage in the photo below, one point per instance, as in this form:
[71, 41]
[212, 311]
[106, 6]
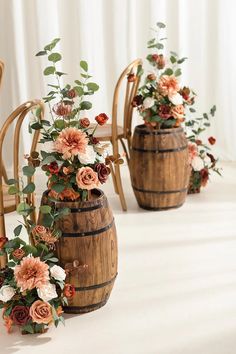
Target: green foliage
[45, 209]
[17, 230]
[49, 70]
[54, 57]
[30, 188]
[28, 171]
[84, 65]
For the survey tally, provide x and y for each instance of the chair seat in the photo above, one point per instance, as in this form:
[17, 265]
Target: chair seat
[104, 132]
[8, 200]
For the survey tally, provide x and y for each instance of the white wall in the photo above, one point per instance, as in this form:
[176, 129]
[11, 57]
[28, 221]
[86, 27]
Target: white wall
[110, 34]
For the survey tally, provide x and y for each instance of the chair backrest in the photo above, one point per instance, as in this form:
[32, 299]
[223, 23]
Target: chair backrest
[19, 115]
[1, 71]
[130, 92]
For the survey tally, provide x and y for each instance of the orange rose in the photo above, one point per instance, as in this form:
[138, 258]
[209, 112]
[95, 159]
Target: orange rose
[86, 178]
[212, 140]
[101, 119]
[69, 291]
[178, 111]
[41, 312]
[131, 77]
[69, 193]
[3, 241]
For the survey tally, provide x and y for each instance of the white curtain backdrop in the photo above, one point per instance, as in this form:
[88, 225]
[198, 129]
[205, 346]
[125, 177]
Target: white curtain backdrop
[109, 34]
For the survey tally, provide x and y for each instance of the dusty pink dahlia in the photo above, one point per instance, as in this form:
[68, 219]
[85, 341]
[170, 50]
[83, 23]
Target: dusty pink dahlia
[70, 142]
[31, 273]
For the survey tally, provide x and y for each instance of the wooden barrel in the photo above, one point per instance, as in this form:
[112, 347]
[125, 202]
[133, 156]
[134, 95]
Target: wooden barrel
[87, 249]
[159, 167]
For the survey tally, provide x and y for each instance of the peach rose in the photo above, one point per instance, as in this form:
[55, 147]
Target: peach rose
[178, 111]
[19, 253]
[192, 150]
[86, 178]
[168, 85]
[41, 312]
[39, 230]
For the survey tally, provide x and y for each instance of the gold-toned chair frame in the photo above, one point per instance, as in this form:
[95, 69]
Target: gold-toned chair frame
[131, 90]
[19, 114]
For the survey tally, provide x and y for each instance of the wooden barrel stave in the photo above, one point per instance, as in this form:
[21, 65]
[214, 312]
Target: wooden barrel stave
[89, 239]
[159, 168]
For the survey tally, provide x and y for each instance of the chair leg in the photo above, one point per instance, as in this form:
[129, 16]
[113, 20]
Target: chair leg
[119, 187]
[3, 258]
[113, 178]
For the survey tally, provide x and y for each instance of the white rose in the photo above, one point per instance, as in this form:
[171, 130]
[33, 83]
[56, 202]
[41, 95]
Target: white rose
[88, 157]
[197, 163]
[148, 102]
[58, 273]
[47, 292]
[176, 99]
[6, 293]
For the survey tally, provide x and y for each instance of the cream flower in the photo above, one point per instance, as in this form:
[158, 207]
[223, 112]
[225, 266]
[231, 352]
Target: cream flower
[148, 102]
[6, 293]
[88, 157]
[58, 273]
[47, 292]
[197, 163]
[176, 99]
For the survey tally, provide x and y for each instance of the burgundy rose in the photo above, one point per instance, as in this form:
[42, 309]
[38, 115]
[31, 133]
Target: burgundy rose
[84, 122]
[20, 315]
[101, 119]
[204, 176]
[53, 168]
[103, 172]
[93, 140]
[137, 101]
[164, 111]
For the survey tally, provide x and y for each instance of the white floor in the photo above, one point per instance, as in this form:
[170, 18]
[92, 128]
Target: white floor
[176, 289]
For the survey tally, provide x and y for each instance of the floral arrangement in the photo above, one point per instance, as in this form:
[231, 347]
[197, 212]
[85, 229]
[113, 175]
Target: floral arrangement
[78, 162]
[161, 101]
[202, 160]
[32, 285]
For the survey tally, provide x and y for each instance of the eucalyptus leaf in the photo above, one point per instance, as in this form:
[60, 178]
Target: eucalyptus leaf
[54, 57]
[84, 65]
[28, 171]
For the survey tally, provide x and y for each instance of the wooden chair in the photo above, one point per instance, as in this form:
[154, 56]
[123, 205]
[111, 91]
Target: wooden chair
[116, 133]
[8, 203]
